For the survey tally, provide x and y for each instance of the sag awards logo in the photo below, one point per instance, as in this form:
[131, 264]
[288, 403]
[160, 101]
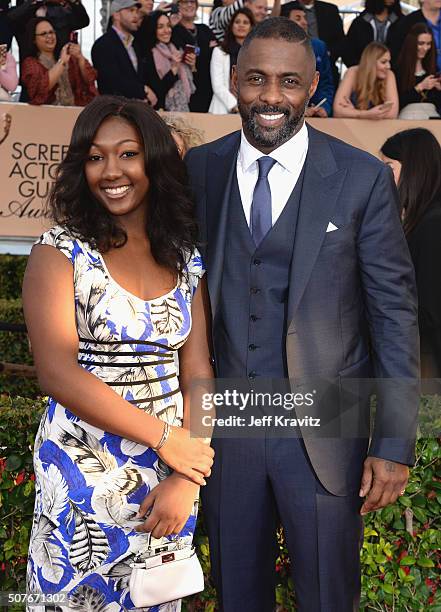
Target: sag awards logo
[32, 173]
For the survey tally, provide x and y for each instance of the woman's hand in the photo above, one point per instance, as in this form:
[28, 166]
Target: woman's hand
[428, 83]
[377, 112]
[191, 457]
[175, 61]
[170, 504]
[75, 51]
[64, 55]
[190, 59]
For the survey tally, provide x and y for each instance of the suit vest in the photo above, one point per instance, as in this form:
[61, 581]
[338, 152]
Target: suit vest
[251, 330]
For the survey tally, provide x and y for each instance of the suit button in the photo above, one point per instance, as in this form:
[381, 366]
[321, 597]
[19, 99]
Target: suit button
[254, 290]
[257, 262]
[252, 347]
[253, 318]
[252, 374]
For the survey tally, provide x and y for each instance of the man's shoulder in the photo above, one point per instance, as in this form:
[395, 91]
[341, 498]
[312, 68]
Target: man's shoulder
[223, 145]
[411, 18]
[319, 46]
[107, 39]
[347, 156]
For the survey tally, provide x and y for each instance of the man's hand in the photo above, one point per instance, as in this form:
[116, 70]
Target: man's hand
[170, 504]
[382, 483]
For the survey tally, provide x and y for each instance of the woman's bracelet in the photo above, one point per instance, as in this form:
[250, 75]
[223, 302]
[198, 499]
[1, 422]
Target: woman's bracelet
[164, 437]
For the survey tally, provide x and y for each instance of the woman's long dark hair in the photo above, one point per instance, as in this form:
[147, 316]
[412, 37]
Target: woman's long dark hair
[30, 47]
[151, 27]
[229, 43]
[171, 227]
[408, 57]
[419, 186]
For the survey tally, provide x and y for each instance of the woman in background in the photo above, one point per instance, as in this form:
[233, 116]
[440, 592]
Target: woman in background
[419, 87]
[49, 77]
[415, 159]
[224, 58]
[173, 67]
[369, 90]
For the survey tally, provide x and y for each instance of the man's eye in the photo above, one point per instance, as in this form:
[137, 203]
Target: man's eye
[291, 82]
[256, 79]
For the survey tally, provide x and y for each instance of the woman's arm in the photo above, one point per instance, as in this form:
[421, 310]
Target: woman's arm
[343, 106]
[220, 78]
[8, 75]
[392, 96]
[48, 302]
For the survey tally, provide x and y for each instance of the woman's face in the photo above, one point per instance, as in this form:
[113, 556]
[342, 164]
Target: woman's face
[394, 164]
[163, 30]
[241, 27]
[115, 169]
[45, 37]
[383, 66]
[424, 43]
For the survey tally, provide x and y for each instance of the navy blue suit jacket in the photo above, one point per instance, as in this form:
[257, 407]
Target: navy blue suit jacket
[351, 309]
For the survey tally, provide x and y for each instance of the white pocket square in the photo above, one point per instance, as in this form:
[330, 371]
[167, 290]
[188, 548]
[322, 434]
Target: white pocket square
[331, 227]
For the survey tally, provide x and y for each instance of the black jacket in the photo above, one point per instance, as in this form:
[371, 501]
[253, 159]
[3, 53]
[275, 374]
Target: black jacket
[330, 27]
[359, 35]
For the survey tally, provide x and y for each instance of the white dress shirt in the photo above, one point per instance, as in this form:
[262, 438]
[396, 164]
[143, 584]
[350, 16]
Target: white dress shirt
[282, 177]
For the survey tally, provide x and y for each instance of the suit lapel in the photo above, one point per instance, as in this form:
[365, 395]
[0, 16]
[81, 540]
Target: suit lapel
[321, 187]
[221, 166]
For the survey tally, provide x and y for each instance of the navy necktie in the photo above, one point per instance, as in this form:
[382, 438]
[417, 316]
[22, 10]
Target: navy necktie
[261, 213]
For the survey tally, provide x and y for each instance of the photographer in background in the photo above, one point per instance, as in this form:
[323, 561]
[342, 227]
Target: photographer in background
[65, 15]
[64, 79]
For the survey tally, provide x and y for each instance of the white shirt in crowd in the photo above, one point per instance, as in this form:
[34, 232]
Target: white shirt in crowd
[282, 177]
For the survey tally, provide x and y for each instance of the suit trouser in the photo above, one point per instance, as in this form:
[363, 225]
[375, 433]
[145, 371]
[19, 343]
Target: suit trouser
[255, 485]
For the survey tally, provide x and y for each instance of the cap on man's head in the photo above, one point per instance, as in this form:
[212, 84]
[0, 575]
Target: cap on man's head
[119, 5]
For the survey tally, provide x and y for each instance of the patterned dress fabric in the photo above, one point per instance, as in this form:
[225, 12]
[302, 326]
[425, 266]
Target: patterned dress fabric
[89, 482]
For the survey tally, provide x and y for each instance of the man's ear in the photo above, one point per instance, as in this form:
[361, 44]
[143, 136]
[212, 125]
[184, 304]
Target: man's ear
[314, 84]
[234, 81]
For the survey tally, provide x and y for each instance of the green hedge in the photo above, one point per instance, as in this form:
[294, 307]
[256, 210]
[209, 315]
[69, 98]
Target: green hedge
[400, 570]
[12, 269]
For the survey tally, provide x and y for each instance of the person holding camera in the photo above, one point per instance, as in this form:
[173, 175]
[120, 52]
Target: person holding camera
[64, 79]
[67, 16]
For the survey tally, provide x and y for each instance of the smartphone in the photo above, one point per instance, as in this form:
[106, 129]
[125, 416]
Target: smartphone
[3, 51]
[73, 37]
[188, 49]
[174, 9]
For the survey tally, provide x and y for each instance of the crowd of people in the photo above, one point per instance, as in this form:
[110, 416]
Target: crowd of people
[163, 57]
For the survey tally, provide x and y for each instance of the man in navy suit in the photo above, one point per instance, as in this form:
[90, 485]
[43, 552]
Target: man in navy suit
[309, 277]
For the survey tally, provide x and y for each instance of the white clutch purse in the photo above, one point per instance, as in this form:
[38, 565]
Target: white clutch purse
[168, 573]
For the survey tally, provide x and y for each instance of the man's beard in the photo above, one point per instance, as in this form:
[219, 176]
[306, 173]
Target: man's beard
[270, 137]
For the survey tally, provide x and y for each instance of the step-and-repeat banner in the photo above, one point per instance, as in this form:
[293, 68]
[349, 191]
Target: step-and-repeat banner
[34, 139]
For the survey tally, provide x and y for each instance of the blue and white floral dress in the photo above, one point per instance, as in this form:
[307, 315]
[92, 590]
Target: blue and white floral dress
[89, 482]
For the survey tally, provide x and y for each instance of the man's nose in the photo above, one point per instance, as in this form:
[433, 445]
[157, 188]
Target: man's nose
[272, 93]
